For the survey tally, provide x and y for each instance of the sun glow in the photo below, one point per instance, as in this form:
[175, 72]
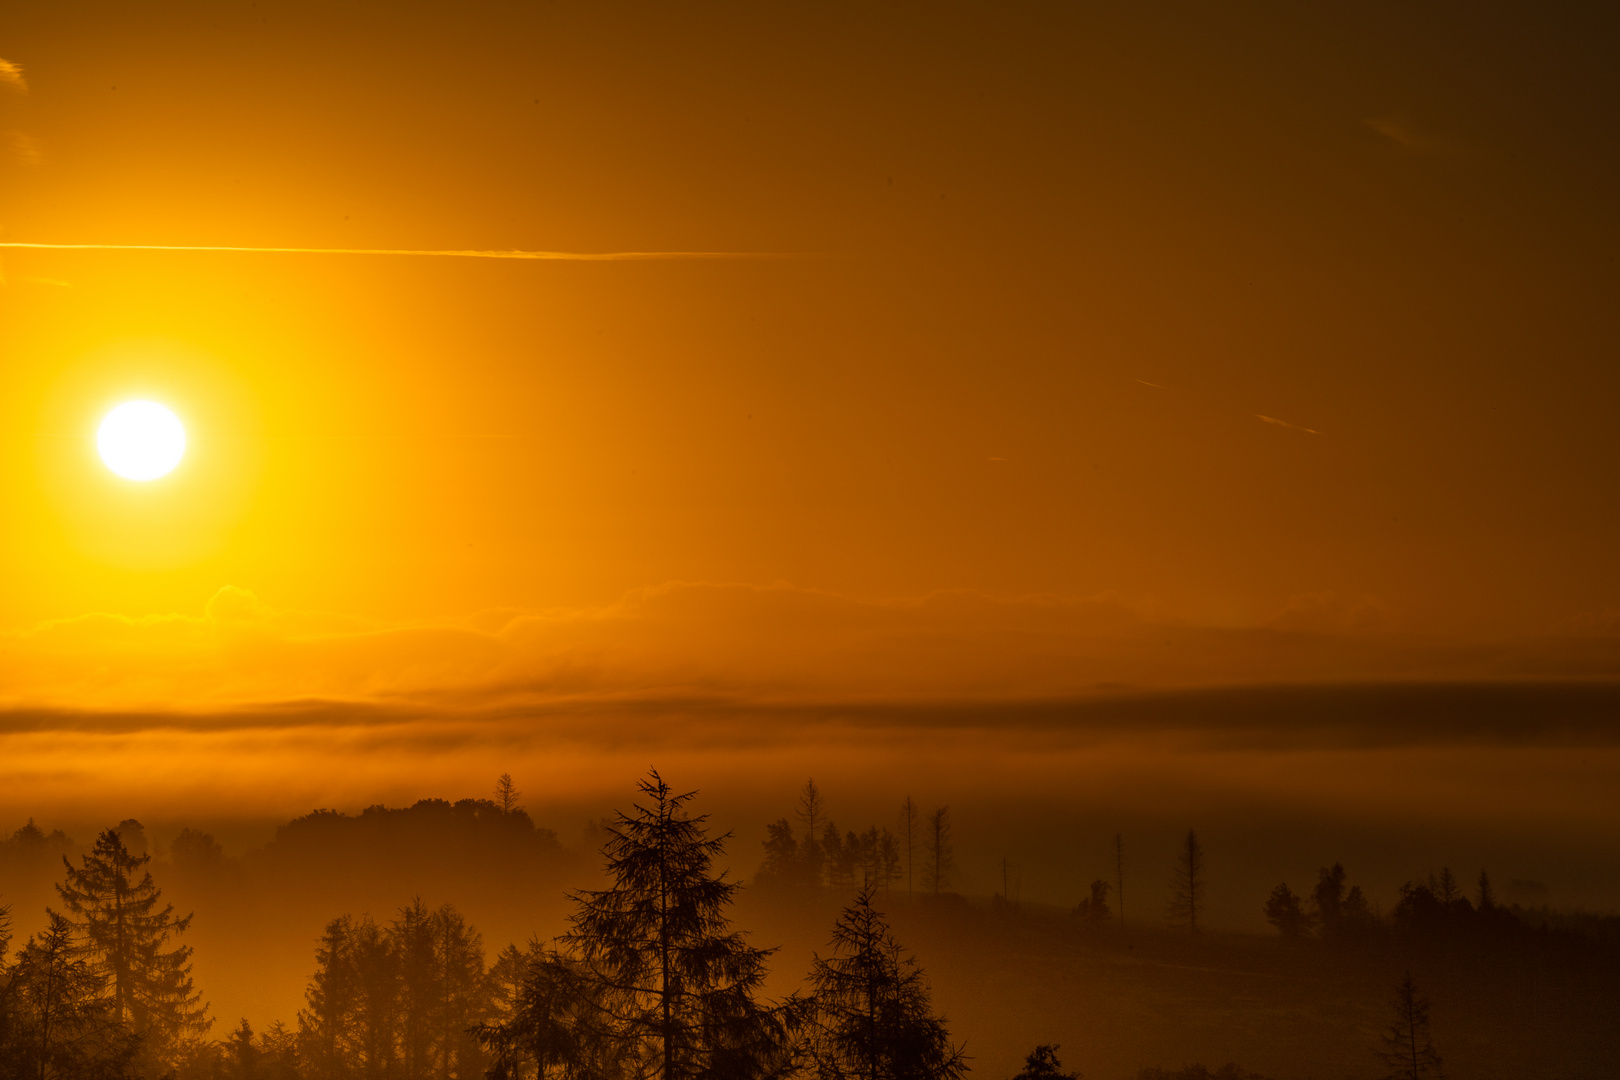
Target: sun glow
[141, 440]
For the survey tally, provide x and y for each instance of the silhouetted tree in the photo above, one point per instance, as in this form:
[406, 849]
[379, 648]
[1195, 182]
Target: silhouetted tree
[1187, 885]
[59, 1020]
[1487, 895]
[278, 1053]
[411, 942]
[1042, 1064]
[507, 794]
[1341, 915]
[1119, 874]
[351, 1025]
[325, 1026]
[553, 1021]
[909, 826]
[242, 1053]
[812, 813]
[679, 984]
[857, 859]
[377, 1006]
[1283, 910]
[941, 853]
[122, 931]
[786, 867]
[463, 992]
[1094, 908]
[873, 1019]
[882, 857]
[838, 858]
[196, 851]
[1408, 1050]
[1445, 887]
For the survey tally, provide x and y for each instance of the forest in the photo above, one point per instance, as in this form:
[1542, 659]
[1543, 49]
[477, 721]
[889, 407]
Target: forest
[654, 977]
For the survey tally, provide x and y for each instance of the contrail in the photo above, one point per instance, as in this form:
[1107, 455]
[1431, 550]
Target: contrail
[568, 256]
[1286, 424]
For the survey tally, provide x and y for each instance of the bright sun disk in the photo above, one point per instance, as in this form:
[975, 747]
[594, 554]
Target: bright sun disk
[141, 440]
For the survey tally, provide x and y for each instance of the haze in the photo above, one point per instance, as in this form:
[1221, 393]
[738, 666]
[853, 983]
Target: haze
[1103, 419]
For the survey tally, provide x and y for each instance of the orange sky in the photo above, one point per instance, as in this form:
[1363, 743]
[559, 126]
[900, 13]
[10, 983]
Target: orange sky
[1109, 348]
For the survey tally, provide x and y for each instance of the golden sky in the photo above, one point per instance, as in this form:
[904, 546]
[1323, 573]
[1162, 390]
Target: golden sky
[1089, 346]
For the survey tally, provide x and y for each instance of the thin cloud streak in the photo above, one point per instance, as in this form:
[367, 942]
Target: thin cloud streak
[1286, 424]
[560, 256]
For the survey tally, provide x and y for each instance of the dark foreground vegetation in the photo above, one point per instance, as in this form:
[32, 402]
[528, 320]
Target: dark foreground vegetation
[652, 980]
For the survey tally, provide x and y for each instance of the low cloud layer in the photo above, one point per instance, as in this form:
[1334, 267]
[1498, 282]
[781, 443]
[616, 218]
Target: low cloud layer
[1000, 707]
[745, 644]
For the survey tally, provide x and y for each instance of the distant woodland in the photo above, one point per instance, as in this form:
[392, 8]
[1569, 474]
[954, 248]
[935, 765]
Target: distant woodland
[653, 977]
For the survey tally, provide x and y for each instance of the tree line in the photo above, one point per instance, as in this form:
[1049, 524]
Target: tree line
[650, 982]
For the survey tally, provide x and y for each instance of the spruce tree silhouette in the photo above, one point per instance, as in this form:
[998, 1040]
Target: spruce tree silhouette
[1094, 908]
[1284, 911]
[507, 794]
[56, 1019]
[123, 932]
[1187, 886]
[1408, 1050]
[411, 936]
[679, 985]
[909, 827]
[242, 1054]
[552, 1020]
[873, 1018]
[325, 1026]
[1042, 1064]
[1118, 853]
[812, 813]
[941, 852]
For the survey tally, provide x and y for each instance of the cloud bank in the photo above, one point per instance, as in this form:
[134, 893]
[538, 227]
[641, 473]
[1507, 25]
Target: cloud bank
[775, 644]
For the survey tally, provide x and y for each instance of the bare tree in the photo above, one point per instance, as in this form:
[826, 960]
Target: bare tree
[507, 794]
[1119, 875]
[941, 854]
[1187, 886]
[1408, 1050]
[812, 811]
[908, 828]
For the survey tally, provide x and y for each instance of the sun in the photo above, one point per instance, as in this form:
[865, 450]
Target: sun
[141, 440]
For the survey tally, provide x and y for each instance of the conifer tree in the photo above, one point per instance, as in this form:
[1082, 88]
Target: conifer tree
[1408, 1048]
[1118, 853]
[909, 828]
[1188, 885]
[122, 931]
[873, 1018]
[1284, 911]
[786, 867]
[812, 812]
[1487, 895]
[411, 939]
[678, 983]
[463, 993]
[1042, 1064]
[242, 1053]
[507, 794]
[549, 1020]
[941, 852]
[61, 1021]
[1094, 907]
[376, 1017]
[325, 1027]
